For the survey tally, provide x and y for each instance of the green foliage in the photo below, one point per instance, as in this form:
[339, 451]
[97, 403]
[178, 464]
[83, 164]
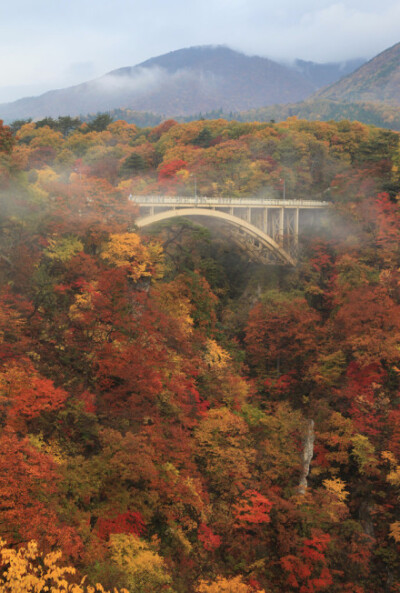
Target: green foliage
[100, 122]
[64, 248]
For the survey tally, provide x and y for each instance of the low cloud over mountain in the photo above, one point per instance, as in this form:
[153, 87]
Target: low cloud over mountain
[185, 82]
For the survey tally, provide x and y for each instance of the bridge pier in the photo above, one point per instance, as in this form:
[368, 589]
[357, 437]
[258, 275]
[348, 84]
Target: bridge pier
[281, 233]
[296, 226]
[265, 220]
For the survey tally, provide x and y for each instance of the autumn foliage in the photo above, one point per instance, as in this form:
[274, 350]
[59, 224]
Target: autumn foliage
[173, 416]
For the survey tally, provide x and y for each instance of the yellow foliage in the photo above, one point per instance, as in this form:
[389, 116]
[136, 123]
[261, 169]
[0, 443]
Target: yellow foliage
[122, 130]
[388, 456]
[216, 357]
[183, 174]
[395, 531]
[46, 175]
[82, 304]
[334, 499]
[144, 569]
[336, 487]
[26, 131]
[126, 250]
[223, 585]
[176, 304]
[221, 438]
[52, 450]
[394, 476]
[364, 453]
[45, 136]
[29, 571]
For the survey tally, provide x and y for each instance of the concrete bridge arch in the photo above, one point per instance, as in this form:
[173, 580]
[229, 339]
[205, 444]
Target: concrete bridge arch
[252, 231]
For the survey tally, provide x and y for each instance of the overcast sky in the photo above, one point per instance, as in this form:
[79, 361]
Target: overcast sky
[47, 44]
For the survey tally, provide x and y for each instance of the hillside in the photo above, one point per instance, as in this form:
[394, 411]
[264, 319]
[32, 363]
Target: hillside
[184, 82]
[174, 417]
[321, 109]
[377, 114]
[377, 80]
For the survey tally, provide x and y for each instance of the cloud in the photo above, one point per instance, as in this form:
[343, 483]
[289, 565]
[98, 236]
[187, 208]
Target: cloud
[63, 42]
[140, 81]
[334, 31]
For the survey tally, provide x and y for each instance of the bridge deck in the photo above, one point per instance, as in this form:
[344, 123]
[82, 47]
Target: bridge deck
[216, 201]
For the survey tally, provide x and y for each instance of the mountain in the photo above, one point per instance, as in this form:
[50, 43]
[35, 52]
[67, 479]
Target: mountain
[376, 81]
[321, 75]
[182, 82]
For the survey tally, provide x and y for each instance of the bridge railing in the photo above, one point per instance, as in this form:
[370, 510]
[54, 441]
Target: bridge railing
[226, 201]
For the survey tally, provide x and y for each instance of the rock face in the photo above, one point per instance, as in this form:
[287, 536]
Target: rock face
[184, 82]
[376, 81]
[307, 455]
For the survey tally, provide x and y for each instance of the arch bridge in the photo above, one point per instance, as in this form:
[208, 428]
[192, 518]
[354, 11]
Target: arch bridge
[267, 228]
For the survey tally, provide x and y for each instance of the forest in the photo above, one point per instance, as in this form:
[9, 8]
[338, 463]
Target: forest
[174, 417]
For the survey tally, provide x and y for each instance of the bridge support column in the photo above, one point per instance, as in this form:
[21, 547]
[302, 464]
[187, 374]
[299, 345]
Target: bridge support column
[265, 221]
[151, 210]
[281, 225]
[296, 226]
[248, 214]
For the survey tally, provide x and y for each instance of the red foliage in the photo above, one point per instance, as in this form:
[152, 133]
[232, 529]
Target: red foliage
[129, 522]
[252, 509]
[26, 394]
[385, 215]
[89, 401]
[169, 170]
[28, 484]
[208, 538]
[161, 129]
[308, 571]
[362, 385]
[288, 331]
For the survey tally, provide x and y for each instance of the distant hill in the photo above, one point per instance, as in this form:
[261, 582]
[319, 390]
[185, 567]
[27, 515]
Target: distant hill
[376, 114]
[376, 81]
[183, 82]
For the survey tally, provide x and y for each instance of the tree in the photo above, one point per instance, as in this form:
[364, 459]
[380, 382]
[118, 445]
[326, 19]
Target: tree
[226, 585]
[144, 569]
[133, 165]
[100, 122]
[6, 138]
[28, 485]
[126, 250]
[28, 570]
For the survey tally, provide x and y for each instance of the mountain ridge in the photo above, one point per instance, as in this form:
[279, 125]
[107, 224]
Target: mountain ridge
[179, 83]
[378, 80]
